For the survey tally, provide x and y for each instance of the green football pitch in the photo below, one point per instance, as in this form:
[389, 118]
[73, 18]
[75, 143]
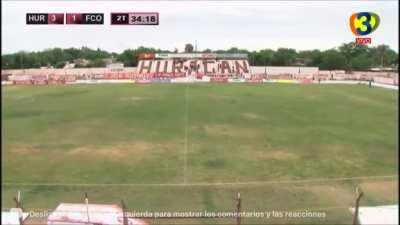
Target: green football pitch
[193, 147]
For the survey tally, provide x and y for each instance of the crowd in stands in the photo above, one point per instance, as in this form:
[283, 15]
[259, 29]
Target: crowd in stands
[387, 78]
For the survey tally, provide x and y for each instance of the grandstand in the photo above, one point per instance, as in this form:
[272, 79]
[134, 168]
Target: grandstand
[192, 67]
[197, 64]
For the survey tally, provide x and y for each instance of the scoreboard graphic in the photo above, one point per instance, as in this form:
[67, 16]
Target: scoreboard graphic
[119, 18]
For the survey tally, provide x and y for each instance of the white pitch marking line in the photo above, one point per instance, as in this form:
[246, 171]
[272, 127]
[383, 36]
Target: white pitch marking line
[186, 134]
[210, 184]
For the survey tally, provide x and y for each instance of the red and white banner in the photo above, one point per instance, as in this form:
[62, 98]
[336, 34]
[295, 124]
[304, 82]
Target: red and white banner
[384, 80]
[142, 81]
[210, 67]
[219, 80]
[147, 55]
[305, 81]
[118, 76]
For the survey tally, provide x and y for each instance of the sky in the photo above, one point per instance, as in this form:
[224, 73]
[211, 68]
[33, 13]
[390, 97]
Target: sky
[302, 25]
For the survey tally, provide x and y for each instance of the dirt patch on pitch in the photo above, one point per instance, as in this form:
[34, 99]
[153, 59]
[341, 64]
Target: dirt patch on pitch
[25, 150]
[275, 154]
[365, 100]
[381, 190]
[219, 129]
[134, 98]
[332, 194]
[231, 131]
[112, 152]
[252, 116]
[135, 150]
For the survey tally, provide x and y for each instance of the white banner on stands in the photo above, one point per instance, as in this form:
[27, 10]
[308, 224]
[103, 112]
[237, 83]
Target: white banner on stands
[359, 82]
[182, 80]
[200, 56]
[102, 82]
[178, 55]
[342, 82]
[116, 81]
[234, 80]
[206, 78]
[6, 83]
[386, 86]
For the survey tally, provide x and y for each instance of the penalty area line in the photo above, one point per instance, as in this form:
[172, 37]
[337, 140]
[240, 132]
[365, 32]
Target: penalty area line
[327, 180]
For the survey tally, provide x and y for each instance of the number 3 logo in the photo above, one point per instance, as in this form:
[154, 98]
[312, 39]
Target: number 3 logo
[364, 23]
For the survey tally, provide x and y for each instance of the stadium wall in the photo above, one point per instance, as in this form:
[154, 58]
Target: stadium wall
[238, 65]
[240, 72]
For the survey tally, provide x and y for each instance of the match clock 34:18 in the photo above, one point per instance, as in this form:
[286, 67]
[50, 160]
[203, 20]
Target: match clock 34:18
[136, 18]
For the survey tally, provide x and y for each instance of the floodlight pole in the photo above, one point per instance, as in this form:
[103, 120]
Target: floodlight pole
[239, 208]
[125, 218]
[87, 206]
[359, 194]
[19, 207]
[17, 200]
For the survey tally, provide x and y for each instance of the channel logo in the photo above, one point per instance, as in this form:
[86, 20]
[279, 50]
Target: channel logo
[362, 24]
